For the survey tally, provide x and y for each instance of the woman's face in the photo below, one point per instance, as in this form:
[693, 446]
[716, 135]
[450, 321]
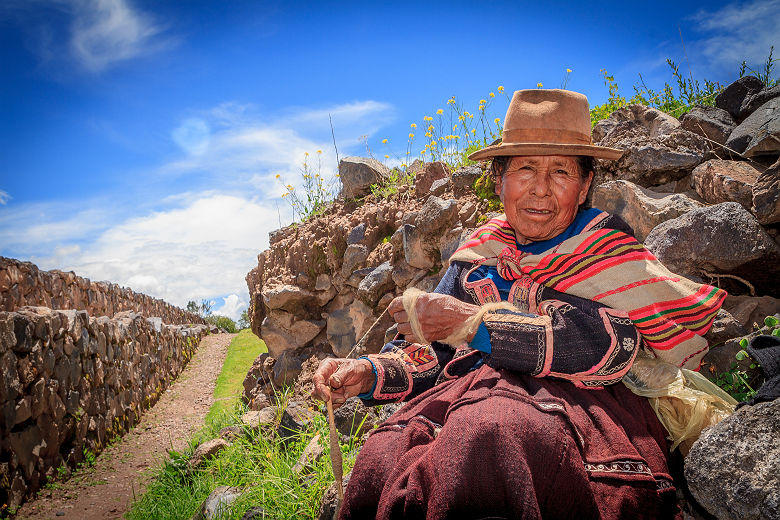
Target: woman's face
[541, 195]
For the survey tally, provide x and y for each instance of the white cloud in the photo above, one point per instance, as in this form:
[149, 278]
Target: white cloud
[4, 197]
[232, 307]
[198, 244]
[194, 252]
[737, 31]
[108, 31]
[192, 135]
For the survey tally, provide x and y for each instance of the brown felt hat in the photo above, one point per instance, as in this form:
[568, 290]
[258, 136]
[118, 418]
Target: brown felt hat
[547, 122]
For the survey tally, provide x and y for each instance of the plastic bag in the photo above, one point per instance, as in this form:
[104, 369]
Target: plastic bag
[685, 401]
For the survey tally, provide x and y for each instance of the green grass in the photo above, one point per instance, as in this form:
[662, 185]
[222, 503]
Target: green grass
[241, 353]
[255, 461]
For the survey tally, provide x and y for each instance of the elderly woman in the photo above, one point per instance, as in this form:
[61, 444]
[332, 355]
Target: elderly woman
[524, 418]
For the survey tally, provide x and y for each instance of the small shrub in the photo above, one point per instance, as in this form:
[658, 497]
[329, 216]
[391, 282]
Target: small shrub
[315, 193]
[223, 322]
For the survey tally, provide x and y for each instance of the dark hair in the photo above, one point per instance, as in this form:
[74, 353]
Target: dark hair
[500, 163]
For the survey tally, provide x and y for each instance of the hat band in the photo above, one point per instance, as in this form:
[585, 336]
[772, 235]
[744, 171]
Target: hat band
[544, 135]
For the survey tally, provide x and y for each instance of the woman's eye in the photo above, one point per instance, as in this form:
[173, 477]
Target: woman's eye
[562, 172]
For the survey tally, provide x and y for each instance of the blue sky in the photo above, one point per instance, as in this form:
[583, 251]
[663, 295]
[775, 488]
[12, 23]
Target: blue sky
[140, 140]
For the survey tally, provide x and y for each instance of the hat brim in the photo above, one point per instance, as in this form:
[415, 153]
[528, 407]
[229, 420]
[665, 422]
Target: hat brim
[502, 149]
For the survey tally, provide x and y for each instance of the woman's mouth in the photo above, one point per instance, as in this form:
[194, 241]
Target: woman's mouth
[533, 211]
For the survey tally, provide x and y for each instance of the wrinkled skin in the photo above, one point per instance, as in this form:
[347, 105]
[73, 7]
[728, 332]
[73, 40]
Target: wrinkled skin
[541, 196]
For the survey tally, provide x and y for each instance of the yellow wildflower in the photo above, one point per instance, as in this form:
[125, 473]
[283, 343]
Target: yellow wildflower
[496, 120]
[482, 101]
[473, 130]
[500, 88]
[440, 111]
[387, 156]
[461, 118]
[430, 128]
[306, 154]
[277, 175]
[455, 126]
[568, 70]
[411, 136]
[538, 85]
[413, 125]
[492, 95]
[384, 141]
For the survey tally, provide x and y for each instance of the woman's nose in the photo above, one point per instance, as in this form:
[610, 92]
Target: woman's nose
[540, 185]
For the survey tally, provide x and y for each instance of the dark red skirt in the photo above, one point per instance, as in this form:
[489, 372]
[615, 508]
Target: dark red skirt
[494, 444]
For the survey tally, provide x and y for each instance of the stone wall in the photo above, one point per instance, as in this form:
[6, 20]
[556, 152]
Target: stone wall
[22, 283]
[686, 189]
[70, 382]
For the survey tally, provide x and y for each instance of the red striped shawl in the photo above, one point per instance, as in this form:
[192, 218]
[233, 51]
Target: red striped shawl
[671, 312]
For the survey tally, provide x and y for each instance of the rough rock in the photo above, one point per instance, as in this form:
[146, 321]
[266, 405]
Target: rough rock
[311, 454]
[693, 245]
[732, 97]
[725, 327]
[287, 367]
[733, 469]
[287, 297]
[276, 338]
[723, 181]
[354, 418]
[255, 513]
[346, 325]
[230, 433]
[710, 122]
[440, 186]
[296, 419]
[429, 173]
[418, 251]
[255, 378]
[354, 257]
[759, 134]
[258, 418]
[463, 179]
[218, 503]
[330, 500]
[377, 283]
[449, 243]
[749, 310]
[357, 174]
[206, 451]
[766, 195]
[656, 149]
[751, 103]
[436, 214]
[653, 122]
[356, 234]
[642, 209]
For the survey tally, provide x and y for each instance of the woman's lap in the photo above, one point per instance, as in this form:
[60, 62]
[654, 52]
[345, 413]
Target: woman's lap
[494, 444]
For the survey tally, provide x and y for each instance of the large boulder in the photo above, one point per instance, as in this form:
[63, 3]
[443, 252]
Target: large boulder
[656, 149]
[716, 240]
[733, 469]
[751, 103]
[376, 284]
[428, 174]
[724, 181]
[357, 174]
[759, 134]
[731, 98]
[642, 209]
[710, 122]
[346, 325]
[463, 179]
[766, 195]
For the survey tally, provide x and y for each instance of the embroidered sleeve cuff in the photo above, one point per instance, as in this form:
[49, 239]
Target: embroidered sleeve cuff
[481, 340]
[370, 393]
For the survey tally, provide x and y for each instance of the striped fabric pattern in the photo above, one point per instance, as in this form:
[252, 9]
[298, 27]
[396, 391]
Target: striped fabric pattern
[671, 312]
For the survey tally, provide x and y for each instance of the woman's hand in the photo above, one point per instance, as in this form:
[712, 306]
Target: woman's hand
[439, 315]
[339, 379]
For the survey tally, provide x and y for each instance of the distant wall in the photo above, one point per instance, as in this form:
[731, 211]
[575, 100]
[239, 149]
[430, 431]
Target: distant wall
[70, 382]
[22, 283]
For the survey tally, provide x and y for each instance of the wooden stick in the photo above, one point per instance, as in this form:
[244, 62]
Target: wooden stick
[335, 456]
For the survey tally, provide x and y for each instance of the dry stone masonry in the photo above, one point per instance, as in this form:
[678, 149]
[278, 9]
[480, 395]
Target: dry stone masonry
[22, 283]
[702, 193]
[69, 381]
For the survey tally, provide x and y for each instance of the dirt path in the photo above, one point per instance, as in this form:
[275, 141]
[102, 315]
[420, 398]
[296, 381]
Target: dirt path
[106, 490]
